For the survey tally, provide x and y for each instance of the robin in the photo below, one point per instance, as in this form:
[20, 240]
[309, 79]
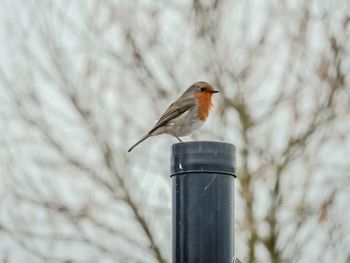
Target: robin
[186, 114]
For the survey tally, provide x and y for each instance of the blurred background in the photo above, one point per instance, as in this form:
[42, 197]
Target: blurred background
[80, 81]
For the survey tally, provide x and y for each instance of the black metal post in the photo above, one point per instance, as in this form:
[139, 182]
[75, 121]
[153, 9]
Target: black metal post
[203, 190]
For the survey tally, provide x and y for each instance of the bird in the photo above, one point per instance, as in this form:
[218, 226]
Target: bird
[186, 114]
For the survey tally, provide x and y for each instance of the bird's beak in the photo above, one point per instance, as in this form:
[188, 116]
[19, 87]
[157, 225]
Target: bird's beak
[215, 91]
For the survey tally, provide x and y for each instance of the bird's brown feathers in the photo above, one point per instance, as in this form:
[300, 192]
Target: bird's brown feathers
[174, 111]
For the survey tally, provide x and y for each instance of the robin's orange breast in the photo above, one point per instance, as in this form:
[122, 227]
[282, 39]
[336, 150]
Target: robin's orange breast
[204, 104]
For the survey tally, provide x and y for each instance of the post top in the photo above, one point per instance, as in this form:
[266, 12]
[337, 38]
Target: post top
[203, 157]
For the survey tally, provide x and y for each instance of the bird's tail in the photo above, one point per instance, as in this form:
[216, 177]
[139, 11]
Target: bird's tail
[142, 139]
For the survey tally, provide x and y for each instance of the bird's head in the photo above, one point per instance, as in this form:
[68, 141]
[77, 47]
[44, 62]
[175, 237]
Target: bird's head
[200, 89]
[203, 92]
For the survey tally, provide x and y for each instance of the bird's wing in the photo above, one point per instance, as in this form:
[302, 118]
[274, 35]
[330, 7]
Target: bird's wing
[174, 111]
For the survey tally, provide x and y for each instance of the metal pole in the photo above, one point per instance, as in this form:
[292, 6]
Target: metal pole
[203, 175]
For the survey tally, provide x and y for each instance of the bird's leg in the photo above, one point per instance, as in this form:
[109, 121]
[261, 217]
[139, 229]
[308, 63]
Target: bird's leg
[177, 137]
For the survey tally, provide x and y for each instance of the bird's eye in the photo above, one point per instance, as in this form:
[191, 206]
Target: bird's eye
[202, 89]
